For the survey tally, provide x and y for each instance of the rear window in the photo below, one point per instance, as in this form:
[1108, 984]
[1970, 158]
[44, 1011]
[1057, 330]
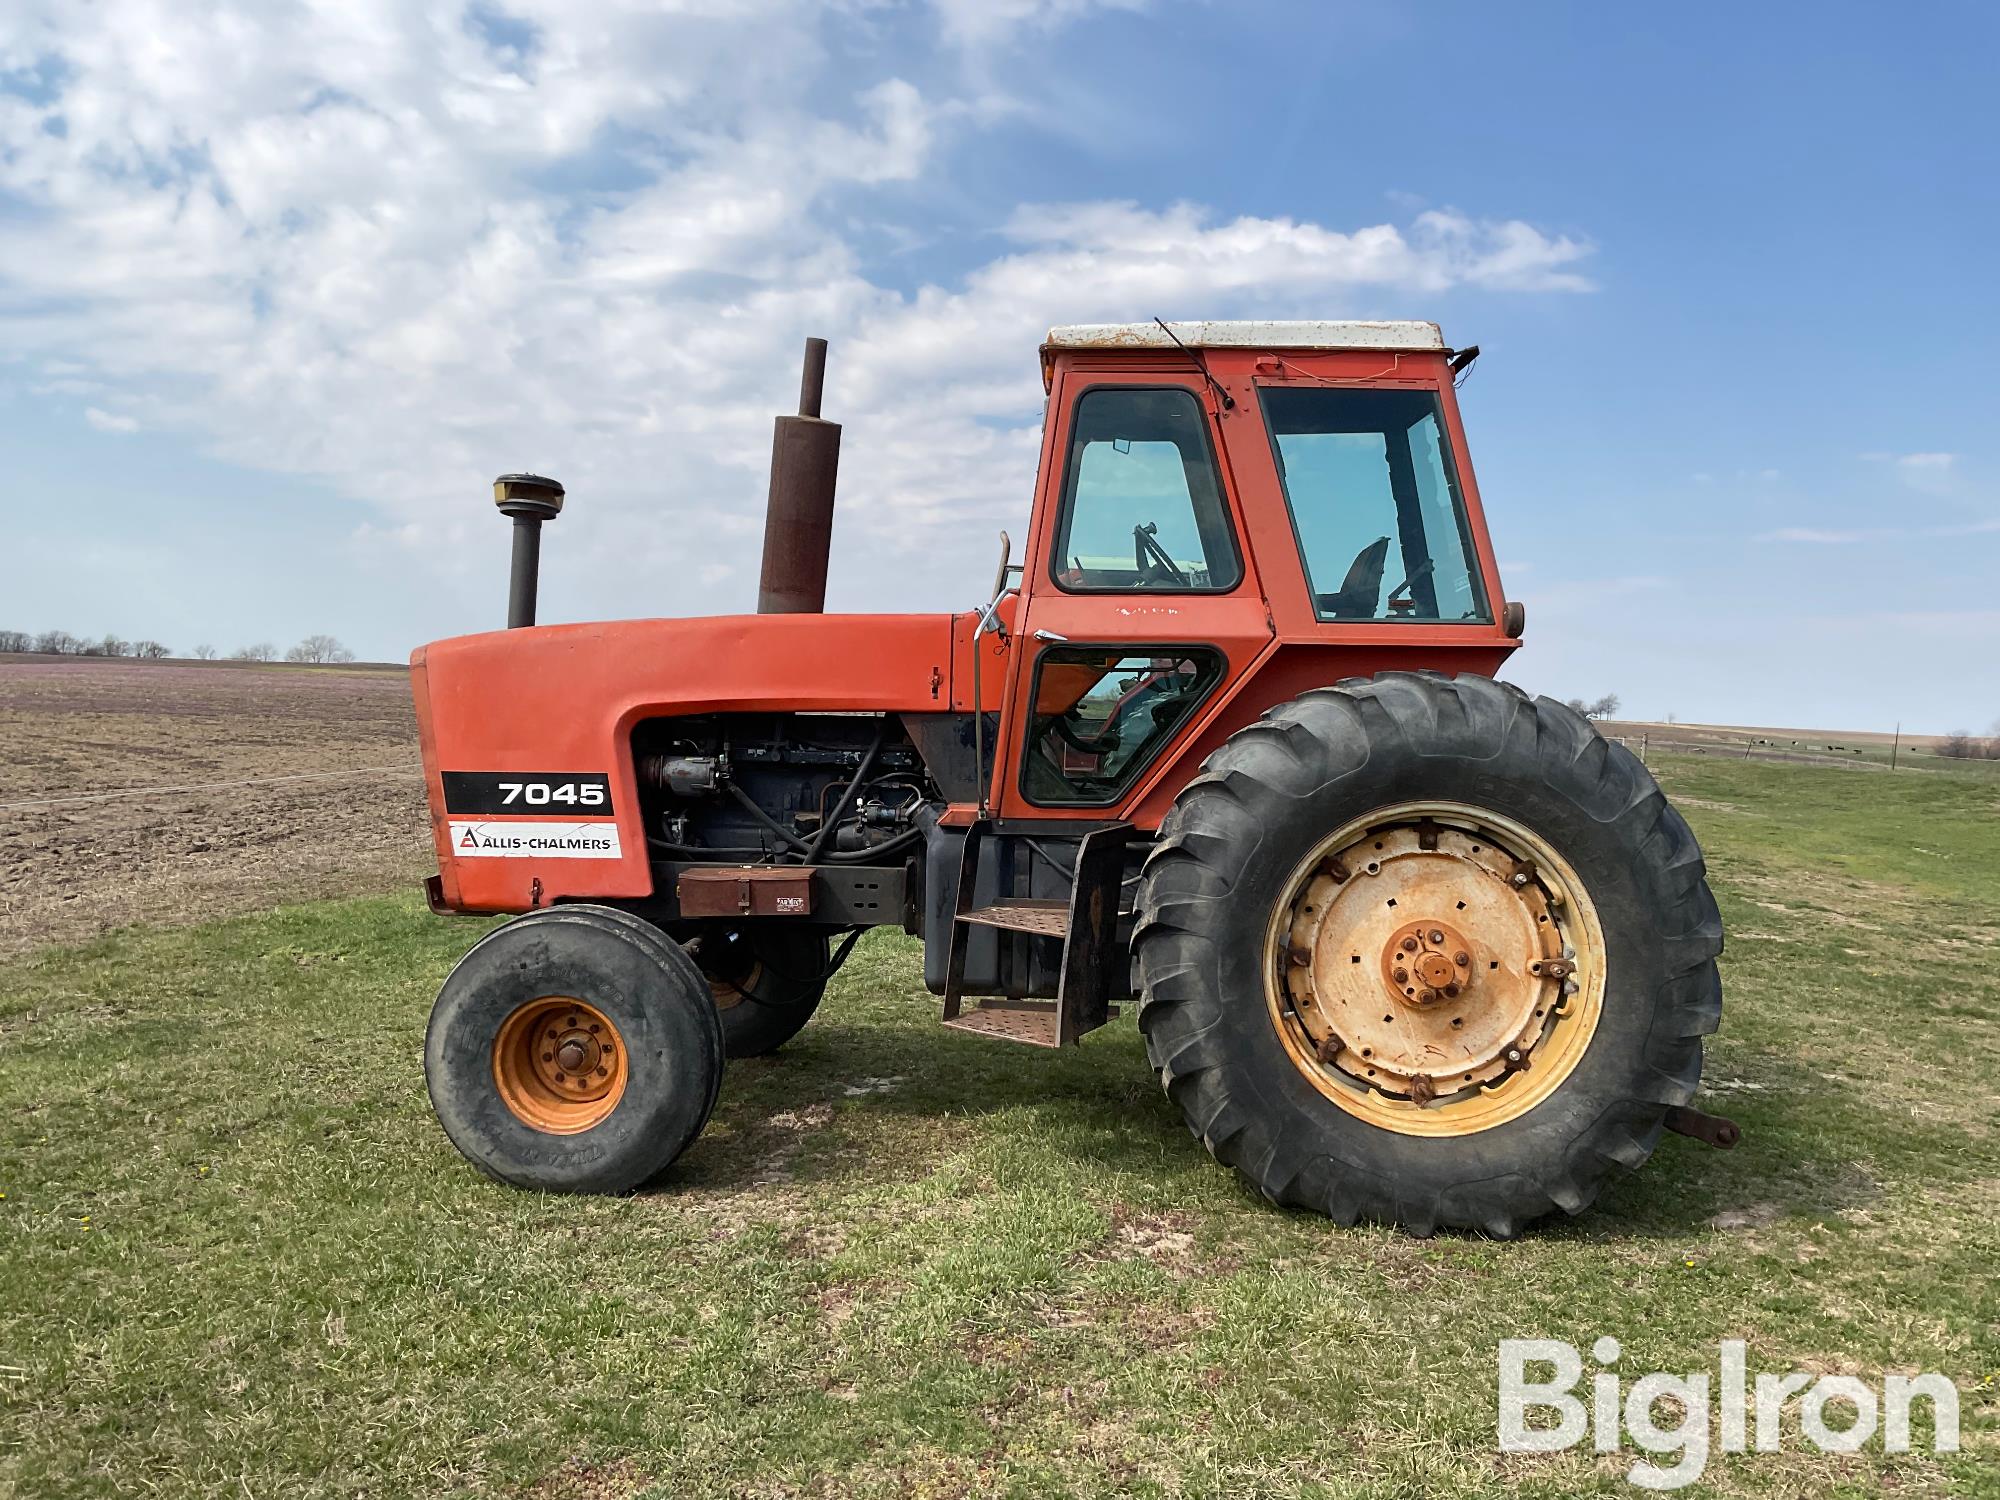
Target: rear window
[1374, 496]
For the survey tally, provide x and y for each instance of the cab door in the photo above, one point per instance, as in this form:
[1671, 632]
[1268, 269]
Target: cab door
[1141, 603]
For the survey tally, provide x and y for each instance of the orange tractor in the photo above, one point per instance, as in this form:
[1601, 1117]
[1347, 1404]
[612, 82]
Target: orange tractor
[1407, 944]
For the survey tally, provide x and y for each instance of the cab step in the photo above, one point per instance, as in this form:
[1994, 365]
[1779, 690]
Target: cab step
[1086, 924]
[1042, 917]
[1035, 1022]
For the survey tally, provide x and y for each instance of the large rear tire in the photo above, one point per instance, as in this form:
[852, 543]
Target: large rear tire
[575, 1049]
[1427, 951]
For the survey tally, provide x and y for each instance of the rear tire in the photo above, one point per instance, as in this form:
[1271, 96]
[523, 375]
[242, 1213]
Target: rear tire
[1217, 1005]
[575, 1050]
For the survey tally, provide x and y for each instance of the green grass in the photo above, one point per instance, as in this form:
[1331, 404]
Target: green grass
[237, 1257]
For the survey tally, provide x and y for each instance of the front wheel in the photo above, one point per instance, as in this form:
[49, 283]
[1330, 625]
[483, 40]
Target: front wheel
[575, 1049]
[1427, 951]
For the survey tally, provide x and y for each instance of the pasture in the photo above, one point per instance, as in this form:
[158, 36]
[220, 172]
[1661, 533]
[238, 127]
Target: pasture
[237, 1257]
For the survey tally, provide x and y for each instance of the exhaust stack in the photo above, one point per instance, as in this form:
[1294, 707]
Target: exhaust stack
[798, 519]
[529, 500]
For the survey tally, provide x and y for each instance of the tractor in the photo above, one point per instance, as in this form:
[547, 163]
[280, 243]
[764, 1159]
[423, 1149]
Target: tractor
[1407, 945]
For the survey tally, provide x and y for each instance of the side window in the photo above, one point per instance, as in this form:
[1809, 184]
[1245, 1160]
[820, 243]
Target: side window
[1100, 715]
[1374, 498]
[1142, 506]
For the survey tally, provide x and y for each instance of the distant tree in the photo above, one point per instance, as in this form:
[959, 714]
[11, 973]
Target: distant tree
[320, 649]
[262, 651]
[1959, 745]
[150, 650]
[111, 645]
[16, 640]
[1603, 708]
[203, 652]
[56, 643]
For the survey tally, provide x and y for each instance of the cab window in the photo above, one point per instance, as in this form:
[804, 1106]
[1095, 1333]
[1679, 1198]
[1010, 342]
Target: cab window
[1374, 497]
[1142, 504]
[1101, 715]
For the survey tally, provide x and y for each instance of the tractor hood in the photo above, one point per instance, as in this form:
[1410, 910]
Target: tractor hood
[562, 700]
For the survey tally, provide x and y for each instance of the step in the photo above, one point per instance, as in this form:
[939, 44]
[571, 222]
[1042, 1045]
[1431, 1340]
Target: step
[1043, 918]
[1035, 1022]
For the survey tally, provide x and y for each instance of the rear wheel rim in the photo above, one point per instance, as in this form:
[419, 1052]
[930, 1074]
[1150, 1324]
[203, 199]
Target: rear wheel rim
[559, 1064]
[1435, 969]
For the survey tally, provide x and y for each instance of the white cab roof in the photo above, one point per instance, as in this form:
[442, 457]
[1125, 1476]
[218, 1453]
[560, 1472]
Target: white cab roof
[1252, 335]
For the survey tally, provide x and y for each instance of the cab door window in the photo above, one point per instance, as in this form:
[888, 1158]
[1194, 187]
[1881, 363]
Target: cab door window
[1101, 714]
[1142, 502]
[1373, 492]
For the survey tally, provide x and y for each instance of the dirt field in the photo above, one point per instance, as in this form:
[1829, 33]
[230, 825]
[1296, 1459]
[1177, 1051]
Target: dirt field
[109, 812]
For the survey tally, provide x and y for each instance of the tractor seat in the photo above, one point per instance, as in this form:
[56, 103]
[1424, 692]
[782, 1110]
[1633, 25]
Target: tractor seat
[1360, 594]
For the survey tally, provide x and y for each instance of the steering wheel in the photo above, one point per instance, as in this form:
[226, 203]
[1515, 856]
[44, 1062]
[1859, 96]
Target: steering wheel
[1151, 558]
[1106, 740]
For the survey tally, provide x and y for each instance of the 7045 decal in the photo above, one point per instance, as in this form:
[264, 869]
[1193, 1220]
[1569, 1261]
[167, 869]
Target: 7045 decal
[528, 794]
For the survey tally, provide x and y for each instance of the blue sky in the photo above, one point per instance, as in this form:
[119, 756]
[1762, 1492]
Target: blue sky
[280, 292]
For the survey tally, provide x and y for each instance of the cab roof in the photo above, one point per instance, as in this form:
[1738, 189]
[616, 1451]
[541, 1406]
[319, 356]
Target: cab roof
[1247, 335]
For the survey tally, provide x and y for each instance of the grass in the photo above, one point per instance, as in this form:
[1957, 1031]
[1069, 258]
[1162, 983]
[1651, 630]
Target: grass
[237, 1256]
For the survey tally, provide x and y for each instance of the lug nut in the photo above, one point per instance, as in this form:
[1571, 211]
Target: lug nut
[1401, 976]
[1520, 880]
[1409, 945]
[1436, 935]
[1461, 959]
[1451, 990]
[1427, 995]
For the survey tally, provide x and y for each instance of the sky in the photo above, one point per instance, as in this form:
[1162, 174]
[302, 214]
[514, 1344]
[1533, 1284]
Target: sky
[285, 283]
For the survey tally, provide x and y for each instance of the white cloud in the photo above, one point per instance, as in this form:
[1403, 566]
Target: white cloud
[1816, 535]
[406, 248]
[105, 421]
[975, 23]
[1933, 473]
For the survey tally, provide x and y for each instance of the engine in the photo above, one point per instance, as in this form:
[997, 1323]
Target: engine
[815, 788]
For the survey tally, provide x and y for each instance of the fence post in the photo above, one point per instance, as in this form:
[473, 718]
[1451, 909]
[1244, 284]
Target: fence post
[1895, 745]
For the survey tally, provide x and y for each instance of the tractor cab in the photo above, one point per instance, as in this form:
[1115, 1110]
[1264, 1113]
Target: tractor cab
[1222, 510]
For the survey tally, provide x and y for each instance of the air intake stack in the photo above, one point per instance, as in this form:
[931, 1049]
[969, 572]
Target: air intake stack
[798, 520]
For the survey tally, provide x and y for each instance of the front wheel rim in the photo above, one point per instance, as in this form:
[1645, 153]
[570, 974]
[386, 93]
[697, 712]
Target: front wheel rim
[1435, 968]
[560, 1065]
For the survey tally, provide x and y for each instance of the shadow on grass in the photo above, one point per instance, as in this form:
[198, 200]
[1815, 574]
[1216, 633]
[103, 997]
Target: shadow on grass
[862, 1087]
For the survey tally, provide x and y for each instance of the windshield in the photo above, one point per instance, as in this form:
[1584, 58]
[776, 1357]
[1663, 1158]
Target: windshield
[1374, 497]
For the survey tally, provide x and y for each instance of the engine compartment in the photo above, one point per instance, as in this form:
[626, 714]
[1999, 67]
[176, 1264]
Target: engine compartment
[805, 787]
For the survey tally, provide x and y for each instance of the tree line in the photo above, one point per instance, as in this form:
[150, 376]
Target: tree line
[314, 648]
[1962, 745]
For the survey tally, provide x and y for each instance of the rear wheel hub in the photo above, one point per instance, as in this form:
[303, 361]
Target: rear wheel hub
[1436, 969]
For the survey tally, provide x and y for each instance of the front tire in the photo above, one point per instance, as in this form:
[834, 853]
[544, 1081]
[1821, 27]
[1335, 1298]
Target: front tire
[1283, 992]
[574, 1049]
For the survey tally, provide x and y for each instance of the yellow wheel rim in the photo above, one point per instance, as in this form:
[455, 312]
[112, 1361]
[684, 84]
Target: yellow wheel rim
[1435, 969]
[559, 1064]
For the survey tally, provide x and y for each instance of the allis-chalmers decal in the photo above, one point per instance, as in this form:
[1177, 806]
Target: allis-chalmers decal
[514, 815]
[493, 839]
